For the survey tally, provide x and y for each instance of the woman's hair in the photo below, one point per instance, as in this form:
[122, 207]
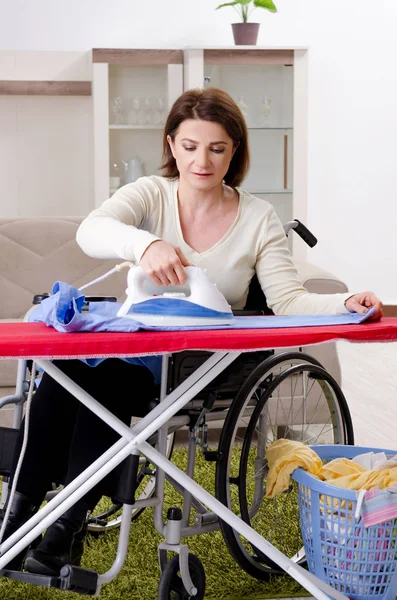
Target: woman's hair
[214, 105]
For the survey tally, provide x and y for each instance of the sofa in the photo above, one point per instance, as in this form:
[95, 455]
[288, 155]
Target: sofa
[36, 252]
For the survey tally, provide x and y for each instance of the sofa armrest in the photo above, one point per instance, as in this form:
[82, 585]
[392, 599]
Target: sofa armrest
[318, 280]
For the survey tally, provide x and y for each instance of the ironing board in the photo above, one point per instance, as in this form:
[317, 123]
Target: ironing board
[38, 342]
[35, 340]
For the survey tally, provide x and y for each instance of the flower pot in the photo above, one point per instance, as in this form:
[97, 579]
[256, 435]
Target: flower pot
[245, 34]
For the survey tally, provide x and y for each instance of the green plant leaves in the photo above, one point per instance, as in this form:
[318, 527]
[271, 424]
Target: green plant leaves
[268, 4]
[234, 3]
[226, 4]
[243, 6]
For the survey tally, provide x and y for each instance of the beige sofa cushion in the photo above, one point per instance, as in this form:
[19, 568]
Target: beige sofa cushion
[36, 252]
[318, 280]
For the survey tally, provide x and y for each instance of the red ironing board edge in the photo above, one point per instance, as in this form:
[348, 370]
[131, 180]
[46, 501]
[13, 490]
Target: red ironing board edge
[36, 340]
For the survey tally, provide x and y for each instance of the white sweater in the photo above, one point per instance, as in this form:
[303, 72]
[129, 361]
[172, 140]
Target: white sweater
[147, 210]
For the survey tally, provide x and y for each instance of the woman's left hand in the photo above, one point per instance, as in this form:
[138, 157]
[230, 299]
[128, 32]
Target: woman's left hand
[361, 303]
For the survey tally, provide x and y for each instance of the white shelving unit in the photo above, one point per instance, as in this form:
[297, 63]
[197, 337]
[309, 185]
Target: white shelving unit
[130, 88]
[269, 84]
[133, 127]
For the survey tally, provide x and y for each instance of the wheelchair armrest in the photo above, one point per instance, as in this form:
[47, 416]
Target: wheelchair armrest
[100, 299]
[38, 298]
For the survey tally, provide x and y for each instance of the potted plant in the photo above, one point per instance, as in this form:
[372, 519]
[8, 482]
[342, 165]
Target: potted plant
[246, 33]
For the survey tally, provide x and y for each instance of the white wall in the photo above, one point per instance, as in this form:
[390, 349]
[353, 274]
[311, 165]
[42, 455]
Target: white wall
[352, 95]
[46, 142]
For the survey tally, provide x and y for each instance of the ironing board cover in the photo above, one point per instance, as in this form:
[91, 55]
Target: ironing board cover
[35, 340]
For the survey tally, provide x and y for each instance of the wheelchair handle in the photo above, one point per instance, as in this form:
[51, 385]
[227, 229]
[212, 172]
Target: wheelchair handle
[100, 299]
[38, 298]
[301, 229]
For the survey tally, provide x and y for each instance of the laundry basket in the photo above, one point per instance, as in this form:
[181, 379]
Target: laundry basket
[358, 561]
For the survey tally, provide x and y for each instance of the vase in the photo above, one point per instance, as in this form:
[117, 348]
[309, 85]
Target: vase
[245, 34]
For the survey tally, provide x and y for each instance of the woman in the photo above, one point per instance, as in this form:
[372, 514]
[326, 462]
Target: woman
[194, 214]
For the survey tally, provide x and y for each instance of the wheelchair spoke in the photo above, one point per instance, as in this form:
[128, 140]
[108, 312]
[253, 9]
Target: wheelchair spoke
[300, 401]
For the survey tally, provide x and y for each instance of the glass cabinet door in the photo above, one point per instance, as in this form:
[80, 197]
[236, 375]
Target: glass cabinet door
[133, 91]
[262, 84]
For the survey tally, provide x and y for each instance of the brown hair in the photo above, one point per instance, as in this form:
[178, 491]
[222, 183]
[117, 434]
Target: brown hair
[215, 105]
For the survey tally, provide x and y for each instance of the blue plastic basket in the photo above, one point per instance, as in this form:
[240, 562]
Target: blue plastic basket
[358, 561]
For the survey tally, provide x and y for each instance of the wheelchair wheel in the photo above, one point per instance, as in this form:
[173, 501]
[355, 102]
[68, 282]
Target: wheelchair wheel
[171, 586]
[288, 396]
[107, 515]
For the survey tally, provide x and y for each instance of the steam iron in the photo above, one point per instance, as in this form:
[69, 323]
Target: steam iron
[196, 303]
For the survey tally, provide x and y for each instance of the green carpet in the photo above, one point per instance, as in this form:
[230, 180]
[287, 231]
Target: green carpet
[139, 577]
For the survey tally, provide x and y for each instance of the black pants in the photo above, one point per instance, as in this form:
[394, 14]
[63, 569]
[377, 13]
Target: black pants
[65, 437]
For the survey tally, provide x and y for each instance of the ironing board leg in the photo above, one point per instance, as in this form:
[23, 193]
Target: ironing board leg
[117, 453]
[135, 440]
[310, 582]
[64, 500]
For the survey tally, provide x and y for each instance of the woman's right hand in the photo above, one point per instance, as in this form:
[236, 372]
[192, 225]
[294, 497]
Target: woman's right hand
[164, 263]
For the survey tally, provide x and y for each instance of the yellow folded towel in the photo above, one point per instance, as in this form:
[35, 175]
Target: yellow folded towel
[340, 467]
[283, 457]
[349, 475]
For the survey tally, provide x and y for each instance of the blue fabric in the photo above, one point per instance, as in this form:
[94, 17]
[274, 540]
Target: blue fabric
[175, 307]
[63, 311]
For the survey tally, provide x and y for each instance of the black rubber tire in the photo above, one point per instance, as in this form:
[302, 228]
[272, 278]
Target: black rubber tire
[256, 564]
[171, 586]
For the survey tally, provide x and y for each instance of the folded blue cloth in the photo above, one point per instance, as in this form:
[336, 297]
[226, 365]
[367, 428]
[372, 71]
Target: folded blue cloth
[63, 311]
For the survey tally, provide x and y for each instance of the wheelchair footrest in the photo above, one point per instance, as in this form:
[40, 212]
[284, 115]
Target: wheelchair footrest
[79, 580]
[73, 579]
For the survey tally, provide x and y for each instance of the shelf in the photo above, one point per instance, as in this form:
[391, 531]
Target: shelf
[248, 56]
[270, 128]
[45, 88]
[268, 192]
[156, 127]
[263, 192]
[137, 57]
[162, 127]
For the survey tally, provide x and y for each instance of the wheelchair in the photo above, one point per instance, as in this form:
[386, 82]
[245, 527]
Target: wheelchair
[261, 397]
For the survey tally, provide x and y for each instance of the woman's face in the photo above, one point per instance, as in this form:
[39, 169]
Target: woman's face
[202, 151]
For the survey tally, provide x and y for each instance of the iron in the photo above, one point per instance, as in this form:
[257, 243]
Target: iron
[196, 303]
